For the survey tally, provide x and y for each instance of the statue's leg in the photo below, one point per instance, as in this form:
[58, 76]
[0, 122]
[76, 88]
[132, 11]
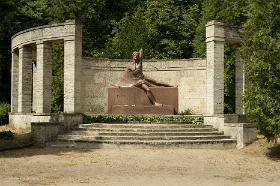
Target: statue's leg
[149, 93]
[158, 83]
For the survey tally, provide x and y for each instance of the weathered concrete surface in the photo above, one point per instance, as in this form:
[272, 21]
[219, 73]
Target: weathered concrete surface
[234, 125]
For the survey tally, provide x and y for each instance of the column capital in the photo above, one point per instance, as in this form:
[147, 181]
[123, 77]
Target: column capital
[215, 31]
[215, 23]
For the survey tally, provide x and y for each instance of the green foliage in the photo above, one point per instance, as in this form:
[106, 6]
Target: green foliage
[125, 119]
[57, 78]
[260, 51]
[170, 28]
[186, 112]
[5, 108]
[198, 120]
[7, 17]
[229, 75]
[229, 12]
[130, 34]
[164, 29]
[7, 135]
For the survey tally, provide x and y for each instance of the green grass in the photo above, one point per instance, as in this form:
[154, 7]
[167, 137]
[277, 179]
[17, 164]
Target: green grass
[20, 137]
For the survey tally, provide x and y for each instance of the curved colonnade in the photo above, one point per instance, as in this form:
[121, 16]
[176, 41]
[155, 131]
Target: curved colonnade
[32, 72]
[32, 67]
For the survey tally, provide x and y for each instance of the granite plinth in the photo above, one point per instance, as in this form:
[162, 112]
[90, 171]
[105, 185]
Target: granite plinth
[140, 109]
[132, 100]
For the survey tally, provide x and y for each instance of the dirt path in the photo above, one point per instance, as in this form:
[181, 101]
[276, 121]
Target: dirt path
[250, 166]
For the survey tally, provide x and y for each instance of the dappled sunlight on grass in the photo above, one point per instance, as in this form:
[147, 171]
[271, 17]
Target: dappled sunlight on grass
[22, 137]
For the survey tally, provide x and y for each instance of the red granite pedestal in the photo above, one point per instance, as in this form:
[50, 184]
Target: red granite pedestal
[133, 101]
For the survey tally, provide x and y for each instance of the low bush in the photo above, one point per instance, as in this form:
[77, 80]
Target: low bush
[186, 112]
[5, 108]
[7, 135]
[126, 119]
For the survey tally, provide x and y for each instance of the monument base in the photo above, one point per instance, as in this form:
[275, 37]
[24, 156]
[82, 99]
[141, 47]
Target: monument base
[132, 100]
[139, 109]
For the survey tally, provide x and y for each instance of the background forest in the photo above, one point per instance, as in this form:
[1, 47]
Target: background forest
[166, 29]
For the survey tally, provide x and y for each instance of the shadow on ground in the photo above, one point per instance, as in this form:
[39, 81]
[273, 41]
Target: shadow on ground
[274, 153]
[21, 146]
[33, 151]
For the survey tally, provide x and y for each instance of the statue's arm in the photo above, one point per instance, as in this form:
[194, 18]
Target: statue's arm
[141, 59]
[141, 55]
[130, 67]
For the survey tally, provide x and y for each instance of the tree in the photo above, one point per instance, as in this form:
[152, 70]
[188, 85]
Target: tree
[57, 78]
[260, 51]
[129, 34]
[226, 11]
[7, 8]
[16, 16]
[171, 26]
[164, 29]
[229, 12]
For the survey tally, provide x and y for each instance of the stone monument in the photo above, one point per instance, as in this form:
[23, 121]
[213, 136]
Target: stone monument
[122, 101]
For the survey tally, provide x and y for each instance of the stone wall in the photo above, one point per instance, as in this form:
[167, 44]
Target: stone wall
[100, 74]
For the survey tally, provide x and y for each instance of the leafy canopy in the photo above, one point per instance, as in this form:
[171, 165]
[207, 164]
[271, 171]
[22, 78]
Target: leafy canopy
[260, 51]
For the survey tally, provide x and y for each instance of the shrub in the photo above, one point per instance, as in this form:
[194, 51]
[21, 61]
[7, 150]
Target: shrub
[186, 112]
[7, 135]
[125, 119]
[5, 108]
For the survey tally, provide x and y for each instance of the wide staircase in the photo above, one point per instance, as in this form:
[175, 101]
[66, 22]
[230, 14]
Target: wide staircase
[144, 135]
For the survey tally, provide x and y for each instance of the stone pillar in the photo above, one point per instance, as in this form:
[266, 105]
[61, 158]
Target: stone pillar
[42, 82]
[239, 83]
[215, 67]
[72, 72]
[14, 87]
[25, 79]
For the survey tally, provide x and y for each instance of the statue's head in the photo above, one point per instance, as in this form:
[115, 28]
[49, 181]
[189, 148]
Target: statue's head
[135, 55]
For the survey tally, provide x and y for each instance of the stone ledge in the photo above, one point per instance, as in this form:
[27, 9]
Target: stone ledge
[244, 133]
[44, 132]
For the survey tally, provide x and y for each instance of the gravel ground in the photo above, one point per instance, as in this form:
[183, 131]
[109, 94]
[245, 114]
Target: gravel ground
[257, 164]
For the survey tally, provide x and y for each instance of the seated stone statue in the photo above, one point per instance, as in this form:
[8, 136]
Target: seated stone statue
[134, 76]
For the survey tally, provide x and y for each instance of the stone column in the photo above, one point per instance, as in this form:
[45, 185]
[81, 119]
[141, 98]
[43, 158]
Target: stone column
[42, 74]
[239, 83]
[25, 79]
[72, 72]
[215, 67]
[15, 83]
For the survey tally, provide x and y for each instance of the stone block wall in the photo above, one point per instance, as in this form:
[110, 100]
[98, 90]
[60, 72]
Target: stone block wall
[100, 74]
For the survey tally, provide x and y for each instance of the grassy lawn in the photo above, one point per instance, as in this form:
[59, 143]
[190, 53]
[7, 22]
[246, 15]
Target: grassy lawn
[22, 137]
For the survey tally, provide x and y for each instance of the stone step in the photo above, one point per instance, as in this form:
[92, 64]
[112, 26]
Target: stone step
[92, 138]
[123, 144]
[147, 133]
[144, 135]
[143, 125]
[146, 129]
